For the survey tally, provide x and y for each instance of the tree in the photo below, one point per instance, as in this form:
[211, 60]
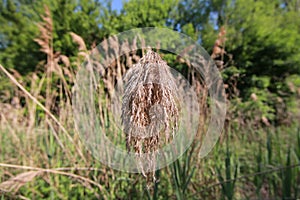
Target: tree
[19, 20]
[150, 13]
[262, 37]
[18, 28]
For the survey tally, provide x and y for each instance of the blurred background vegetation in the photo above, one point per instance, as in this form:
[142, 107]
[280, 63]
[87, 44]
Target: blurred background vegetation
[255, 45]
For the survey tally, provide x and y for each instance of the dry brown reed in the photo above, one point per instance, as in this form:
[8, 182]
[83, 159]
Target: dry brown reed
[45, 41]
[59, 77]
[14, 183]
[150, 107]
[219, 47]
[150, 100]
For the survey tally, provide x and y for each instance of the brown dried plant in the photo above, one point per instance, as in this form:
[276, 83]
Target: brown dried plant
[150, 107]
[59, 73]
[45, 41]
[219, 49]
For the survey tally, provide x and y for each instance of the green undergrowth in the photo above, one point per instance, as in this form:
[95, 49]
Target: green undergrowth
[245, 164]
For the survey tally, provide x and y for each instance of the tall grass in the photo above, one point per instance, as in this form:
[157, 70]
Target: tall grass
[42, 156]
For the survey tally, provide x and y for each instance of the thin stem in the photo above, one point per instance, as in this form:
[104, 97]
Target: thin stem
[12, 78]
[59, 171]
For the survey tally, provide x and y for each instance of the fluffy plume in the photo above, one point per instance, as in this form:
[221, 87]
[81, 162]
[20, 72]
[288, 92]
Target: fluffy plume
[150, 108]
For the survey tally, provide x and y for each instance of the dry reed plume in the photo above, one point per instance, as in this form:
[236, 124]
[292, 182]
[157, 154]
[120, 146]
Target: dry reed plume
[150, 109]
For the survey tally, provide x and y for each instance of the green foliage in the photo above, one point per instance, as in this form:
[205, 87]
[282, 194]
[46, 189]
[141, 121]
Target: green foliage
[230, 167]
[261, 39]
[259, 180]
[182, 173]
[262, 36]
[19, 28]
[192, 12]
[82, 17]
[151, 13]
[17, 49]
[228, 182]
[287, 178]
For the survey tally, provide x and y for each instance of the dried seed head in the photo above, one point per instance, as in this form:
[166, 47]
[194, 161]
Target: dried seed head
[150, 108]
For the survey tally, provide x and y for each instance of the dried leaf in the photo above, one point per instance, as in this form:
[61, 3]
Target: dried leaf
[76, 38]
[65, 60]
[14, 184]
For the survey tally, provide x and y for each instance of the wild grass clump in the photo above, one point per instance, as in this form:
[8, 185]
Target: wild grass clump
[42, 156]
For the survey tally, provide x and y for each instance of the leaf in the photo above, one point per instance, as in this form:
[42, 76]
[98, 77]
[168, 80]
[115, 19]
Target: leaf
[76, 38]
[15, 183]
